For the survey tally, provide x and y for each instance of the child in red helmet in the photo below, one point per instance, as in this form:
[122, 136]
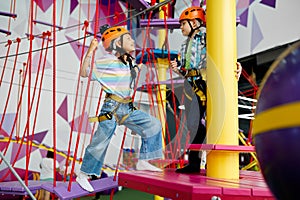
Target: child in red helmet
[116, 74]
[193, 68]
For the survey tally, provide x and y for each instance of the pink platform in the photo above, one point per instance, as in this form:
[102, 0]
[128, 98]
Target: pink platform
[169, 184]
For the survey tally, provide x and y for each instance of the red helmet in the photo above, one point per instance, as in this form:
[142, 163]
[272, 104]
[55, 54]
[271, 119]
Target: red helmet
[112, 33]
[194, 12]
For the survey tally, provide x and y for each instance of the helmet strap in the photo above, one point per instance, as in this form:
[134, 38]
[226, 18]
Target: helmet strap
[192, 29]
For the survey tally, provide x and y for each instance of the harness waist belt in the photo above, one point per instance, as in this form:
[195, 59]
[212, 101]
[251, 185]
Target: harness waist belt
[118, 99]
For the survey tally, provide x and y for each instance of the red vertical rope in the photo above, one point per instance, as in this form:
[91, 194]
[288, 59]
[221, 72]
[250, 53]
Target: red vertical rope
[75, 106]
[9, 42]
[11, 83]
[80, 123]
[28, 94]
[54, 91]
[15, 120]
[48, 34]
[19, 96]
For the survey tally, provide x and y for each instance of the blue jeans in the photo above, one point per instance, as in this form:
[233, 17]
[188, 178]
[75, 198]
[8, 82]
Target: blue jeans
[147, 126]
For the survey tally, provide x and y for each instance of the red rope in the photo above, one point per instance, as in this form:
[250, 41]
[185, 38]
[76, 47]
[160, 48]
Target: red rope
[11, 83]
[54, 91]
[83, 109]
[9, 42]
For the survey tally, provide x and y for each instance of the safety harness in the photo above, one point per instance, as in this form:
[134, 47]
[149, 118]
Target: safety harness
[109, 115]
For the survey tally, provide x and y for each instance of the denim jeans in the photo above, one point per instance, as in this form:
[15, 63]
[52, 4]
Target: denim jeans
[147, 126]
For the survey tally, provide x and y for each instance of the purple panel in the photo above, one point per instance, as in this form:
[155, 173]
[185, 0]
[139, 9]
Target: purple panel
[76, 191]
[17, 187]
[282, 85]
[73, 5]
[271, 3]
[256, 35]
[63, 109]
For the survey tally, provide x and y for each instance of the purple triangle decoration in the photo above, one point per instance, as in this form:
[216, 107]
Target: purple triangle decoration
[73, 5]
[44, 4]
[271, 3]
[39, 137]
[15, 149]
[8, 122]
[244, 18]
[63, 109]
[256, 35]
[77, 48]
[86, 127]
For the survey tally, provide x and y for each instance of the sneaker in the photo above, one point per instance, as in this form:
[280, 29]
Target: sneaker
[145, 165]
[83, 180]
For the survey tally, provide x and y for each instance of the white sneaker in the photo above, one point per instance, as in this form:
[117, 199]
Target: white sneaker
[145, 165]
[82, 180]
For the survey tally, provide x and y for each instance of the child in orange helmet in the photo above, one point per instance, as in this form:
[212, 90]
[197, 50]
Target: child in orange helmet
[193, 69]
[116, 74]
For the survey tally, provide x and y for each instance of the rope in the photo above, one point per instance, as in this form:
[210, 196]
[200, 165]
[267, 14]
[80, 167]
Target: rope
[54, 92]
[9, 42]
[83, 109]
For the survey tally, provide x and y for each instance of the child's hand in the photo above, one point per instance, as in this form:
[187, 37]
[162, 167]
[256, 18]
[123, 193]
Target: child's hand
[238, 71]
[173, 65]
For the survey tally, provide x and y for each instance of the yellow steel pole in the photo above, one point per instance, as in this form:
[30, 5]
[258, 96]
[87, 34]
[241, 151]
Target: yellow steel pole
[222, 105]
[161, 93]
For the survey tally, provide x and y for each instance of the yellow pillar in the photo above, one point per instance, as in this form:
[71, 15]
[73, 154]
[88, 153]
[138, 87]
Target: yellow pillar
[161, 94]
[222, 99]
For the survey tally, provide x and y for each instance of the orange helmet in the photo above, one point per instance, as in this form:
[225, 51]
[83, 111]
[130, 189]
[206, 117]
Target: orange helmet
[112, 33]
[194, 12]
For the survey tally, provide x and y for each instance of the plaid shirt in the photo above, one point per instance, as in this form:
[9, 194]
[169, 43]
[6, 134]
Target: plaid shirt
[198, 51]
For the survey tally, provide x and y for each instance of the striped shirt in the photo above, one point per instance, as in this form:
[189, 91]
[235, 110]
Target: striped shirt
[198, 51]
[113, 75]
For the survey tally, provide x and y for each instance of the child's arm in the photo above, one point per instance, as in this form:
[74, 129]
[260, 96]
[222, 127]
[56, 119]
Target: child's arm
[87, 58]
